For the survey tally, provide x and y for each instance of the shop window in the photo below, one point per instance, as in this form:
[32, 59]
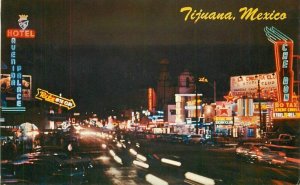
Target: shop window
[250, 132]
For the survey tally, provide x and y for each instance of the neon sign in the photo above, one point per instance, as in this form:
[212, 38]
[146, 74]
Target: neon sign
[16, 70]
[55, 99]
[286, 107]
[286, 110]
[284, 68]
[16, 73]
[223, 120]
[23, 33]
[283, 47]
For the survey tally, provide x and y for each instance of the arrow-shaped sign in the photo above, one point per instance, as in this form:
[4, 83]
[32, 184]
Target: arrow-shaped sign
[52, 98]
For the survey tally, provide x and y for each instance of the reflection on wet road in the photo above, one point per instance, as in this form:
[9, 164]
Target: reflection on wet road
[142, 162]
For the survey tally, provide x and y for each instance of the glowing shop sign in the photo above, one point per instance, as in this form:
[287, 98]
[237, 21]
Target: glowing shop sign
[52, 98]
[286, 115]
[286, 106]
[223, 120]
[283, 47]
[286, 110]
[284, 68]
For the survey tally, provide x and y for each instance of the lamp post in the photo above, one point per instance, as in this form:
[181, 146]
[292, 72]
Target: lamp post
[205, 80]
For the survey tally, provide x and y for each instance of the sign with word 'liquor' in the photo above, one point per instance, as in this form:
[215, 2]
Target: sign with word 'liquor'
[55, 99]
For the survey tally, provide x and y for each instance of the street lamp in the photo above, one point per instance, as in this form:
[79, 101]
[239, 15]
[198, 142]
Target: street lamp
[205, 80]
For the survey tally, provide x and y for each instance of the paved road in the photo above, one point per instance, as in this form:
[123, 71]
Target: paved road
[219, 164]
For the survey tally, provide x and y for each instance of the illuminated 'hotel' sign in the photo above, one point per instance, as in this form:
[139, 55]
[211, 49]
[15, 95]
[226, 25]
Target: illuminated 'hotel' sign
[23, 32]
[16, 70]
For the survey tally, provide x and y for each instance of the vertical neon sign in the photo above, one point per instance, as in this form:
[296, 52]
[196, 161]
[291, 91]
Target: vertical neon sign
[284, 68]
[16, 73]
[16, 70]
[283, 47]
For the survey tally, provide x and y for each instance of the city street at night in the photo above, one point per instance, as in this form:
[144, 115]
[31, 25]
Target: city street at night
[125, 161]
[150, 92]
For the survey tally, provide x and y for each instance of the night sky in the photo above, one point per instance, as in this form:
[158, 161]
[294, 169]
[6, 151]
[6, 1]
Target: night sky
[101, 52]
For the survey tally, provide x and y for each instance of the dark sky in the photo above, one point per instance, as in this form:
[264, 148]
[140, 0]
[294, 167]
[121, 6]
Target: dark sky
[100, 51]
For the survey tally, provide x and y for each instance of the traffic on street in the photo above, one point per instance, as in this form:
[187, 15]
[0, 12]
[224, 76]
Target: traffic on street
[91, 155]
[152, 92]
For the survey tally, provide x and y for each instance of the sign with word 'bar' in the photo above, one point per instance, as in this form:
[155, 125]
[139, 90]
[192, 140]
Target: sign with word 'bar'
[55, 99]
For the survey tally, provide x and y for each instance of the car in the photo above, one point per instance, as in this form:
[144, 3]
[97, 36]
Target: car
[243, 149]
[283, 139]
[194, 139]
[70, 173]
[73, 171]
[176, 138]
[263, 154]
[35, 167]
[15, 181]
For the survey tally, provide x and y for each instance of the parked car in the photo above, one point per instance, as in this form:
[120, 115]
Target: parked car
[35, 167]
[194, 139]
[283, 139]
[176, 138]
[70, 173]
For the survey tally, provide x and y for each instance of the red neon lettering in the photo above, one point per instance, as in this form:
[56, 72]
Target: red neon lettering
[17, 33]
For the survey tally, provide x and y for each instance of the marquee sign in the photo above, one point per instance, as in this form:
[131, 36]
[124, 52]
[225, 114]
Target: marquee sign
[55, 99]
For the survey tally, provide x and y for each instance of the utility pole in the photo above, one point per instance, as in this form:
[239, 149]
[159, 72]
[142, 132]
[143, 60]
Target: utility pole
[197, 128]
[0, 58]
[259, 108]
[215, 91]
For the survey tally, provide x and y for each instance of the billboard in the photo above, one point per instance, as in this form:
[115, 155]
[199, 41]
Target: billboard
[247, 85]
[9, 91]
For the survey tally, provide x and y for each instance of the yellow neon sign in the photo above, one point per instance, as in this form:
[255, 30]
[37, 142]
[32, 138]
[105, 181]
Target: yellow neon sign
[52, 98]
